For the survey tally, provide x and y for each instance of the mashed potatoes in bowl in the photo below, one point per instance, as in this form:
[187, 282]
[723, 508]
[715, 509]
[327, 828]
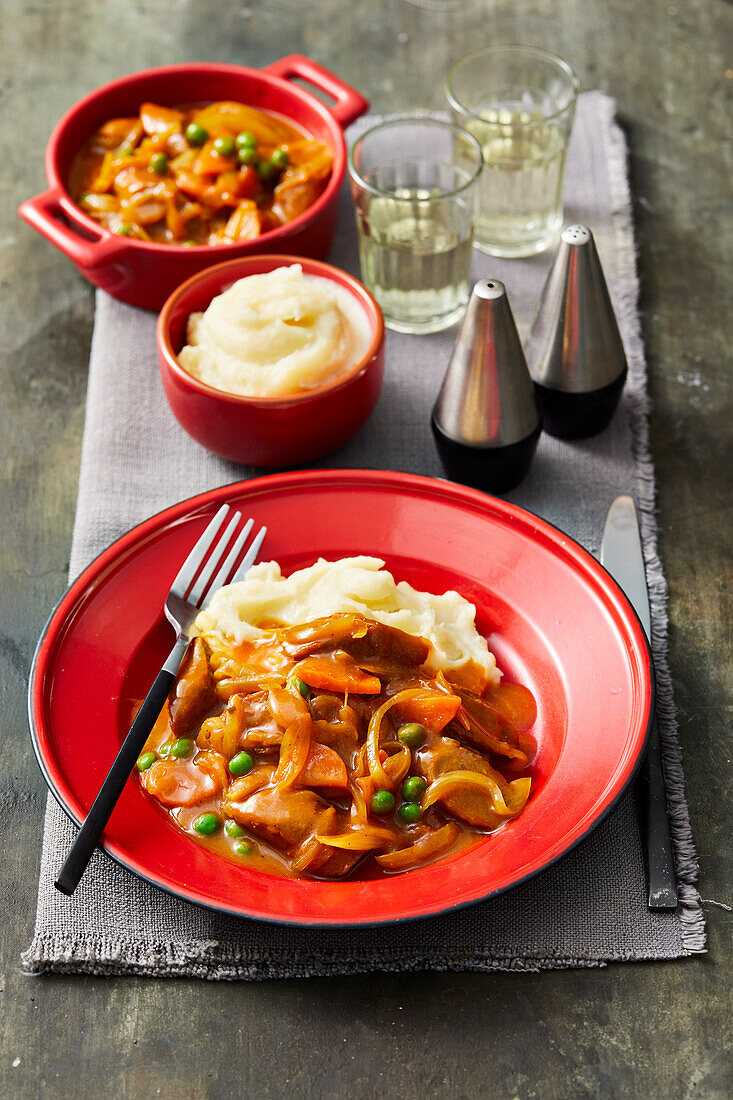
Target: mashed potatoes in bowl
[276, 334]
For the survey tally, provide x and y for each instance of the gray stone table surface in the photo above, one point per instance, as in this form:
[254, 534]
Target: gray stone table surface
[634, 1030]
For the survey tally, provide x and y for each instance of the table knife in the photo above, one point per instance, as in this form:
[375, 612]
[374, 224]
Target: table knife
[622, 556]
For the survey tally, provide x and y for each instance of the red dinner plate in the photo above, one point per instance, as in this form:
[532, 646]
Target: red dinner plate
[554, 618]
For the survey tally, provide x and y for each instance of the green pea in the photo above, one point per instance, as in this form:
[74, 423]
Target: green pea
[207, 824]
[248, 155]
[244, 848]
[189, 244]
[409, 813]
[266, 171]
[413, 788]
[231, 828]
[246, 140]
[195, 134]
[125, 230]
[411, 734]
[279, 158]
[225, 146]
[241, 764]
[125, 151]
[301, 686]
[158, 163]
[165, 749]
[182, 747]
[146, 761]
[382, 802]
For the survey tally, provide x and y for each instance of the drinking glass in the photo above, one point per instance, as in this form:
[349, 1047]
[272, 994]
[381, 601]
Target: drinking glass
[519, 103]
[413, 184]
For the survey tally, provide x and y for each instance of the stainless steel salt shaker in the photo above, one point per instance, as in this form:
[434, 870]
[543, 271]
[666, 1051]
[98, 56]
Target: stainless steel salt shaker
[575, 353]
[485, 420]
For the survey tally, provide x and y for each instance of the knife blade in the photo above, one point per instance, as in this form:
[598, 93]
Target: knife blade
[622, 556]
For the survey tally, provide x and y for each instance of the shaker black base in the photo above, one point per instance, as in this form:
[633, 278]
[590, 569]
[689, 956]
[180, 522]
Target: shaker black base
[494, 469]
[577, 415]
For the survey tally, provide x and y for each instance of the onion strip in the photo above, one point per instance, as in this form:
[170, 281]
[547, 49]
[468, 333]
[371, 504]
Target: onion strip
[307, 854]
[506, 803]
[359, 840]
[372, 740]
[398, 763]
[493, 744]
[360, 797]
[428, 845]
[294, 751]
[242, 788]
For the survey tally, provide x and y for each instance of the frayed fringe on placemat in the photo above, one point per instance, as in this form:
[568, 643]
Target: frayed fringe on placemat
[626, 303]
[104, 956]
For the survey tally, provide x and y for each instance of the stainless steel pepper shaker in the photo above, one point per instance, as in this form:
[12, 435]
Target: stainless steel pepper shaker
[485, 421]
[575, 353]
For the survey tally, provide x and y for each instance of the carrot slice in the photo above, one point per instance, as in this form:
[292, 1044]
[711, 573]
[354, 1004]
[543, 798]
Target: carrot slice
[337, 672]
[514, 703]
[211, 163]
[189, 183]
[432, 709]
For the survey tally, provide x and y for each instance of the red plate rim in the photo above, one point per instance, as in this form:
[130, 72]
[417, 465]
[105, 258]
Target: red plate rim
[601, 581]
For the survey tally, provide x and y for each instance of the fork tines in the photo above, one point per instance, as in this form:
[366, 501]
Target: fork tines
[206, 557]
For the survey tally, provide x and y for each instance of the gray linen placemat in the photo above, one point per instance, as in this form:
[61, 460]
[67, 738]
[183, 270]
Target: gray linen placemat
[589, 908]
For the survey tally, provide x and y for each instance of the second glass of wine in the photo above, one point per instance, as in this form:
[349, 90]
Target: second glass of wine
[413, 184]
[519, 102]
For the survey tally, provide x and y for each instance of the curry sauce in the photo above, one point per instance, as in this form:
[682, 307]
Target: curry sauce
[330, 749]
[198, 175]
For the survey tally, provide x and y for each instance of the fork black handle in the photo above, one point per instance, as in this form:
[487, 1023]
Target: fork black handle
[88, 836]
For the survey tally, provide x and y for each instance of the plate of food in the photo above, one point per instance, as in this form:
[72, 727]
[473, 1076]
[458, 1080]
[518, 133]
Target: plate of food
[420, 697]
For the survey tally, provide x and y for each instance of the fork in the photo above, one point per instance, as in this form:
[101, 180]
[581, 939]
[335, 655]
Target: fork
[182, 605]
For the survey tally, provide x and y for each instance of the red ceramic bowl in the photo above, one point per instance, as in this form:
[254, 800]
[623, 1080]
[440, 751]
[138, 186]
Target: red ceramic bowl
[267, 431]
[142, 272]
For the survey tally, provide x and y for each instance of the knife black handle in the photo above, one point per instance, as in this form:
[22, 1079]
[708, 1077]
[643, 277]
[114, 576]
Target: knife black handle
[660, 861]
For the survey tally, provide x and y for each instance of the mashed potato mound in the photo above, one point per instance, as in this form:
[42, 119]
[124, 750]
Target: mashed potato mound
[276, 334]
[360, 585]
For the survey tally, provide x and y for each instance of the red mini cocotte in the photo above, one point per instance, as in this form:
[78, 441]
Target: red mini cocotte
[144, 273]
